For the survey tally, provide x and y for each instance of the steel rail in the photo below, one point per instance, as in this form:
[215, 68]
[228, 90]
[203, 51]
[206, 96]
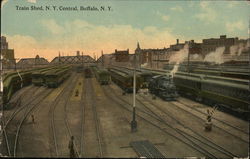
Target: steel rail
[193, 145]
[36, 104]
[90, 85]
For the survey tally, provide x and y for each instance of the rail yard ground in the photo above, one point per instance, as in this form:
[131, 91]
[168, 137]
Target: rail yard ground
[99, 116]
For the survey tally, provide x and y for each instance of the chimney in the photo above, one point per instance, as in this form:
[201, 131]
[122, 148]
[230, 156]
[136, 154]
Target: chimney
[77, 53]
[177, 41]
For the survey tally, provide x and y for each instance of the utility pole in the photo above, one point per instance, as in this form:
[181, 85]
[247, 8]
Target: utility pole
[1, 99]
[133, 122]
[82, 58]
[102, 59]
[188, 56]
[248, 43]
[158, 60]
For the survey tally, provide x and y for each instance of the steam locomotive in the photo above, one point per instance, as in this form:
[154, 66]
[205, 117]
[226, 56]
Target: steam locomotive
[163, 86]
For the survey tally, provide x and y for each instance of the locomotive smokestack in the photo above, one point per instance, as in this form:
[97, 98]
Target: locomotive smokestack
[177, 41]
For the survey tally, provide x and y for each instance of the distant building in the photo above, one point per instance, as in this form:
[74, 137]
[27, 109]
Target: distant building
[151, 57]
[32, 62]
[178, 46]
[210, 45]
[8, 60]
[4, 43]
[122, 55]
[195, 48]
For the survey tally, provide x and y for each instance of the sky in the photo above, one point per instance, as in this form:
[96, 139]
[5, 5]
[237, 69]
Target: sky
[152, 23]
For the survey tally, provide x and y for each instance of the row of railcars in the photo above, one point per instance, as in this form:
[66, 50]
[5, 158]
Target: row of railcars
[144, 75]
[240, 72]
[102, 75]
[55, 77]
[124, 79]
[230, 94]
[51, 77]
[14, 81]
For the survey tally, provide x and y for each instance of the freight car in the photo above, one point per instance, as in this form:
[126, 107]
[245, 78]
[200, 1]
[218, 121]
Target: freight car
[102, 75]
[163, 86]
[230, 94]
[55, 77]
[124, 79]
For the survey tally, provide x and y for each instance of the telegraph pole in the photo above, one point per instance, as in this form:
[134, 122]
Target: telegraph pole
[248, 43]
[133, 122]
[102, 59]
[1, 100]
[82, 58]
[188, 57]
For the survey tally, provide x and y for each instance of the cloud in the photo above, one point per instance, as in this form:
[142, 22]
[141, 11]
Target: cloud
[165, 18]
[177, 8]
[88, 38]
[204, 4]
[207, 14]
[232, 26]
[31, 1]
[52, 26]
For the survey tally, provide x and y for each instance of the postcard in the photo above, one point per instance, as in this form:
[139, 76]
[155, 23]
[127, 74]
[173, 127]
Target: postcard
[125, 79]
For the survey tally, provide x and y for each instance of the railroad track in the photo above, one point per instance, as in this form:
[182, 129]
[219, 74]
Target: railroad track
[15, 113]
[66, 117]
[156, 122]
[89, 87]
[193, 132]
[187, 135]
[28, 112]
[82, 120]
[68, 88]
[196, 116]
[190, 132]
[214, 118]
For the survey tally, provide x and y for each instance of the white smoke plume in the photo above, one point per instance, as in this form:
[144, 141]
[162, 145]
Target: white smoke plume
[194, 56]
[236, 50]
[144, 65]
[215, 56]
[177, 58]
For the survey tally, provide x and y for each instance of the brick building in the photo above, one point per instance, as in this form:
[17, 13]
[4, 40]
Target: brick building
[7, 54]
[122, 55]
[209, 45]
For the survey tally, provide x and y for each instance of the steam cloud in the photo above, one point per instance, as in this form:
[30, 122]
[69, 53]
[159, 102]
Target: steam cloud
[215, 56]
[144, 65]
[177, 58]
[236, 50]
